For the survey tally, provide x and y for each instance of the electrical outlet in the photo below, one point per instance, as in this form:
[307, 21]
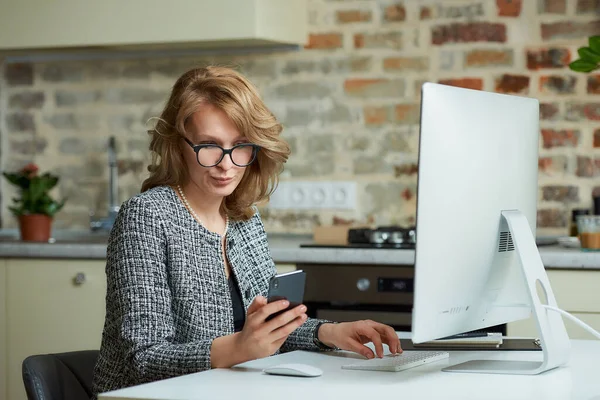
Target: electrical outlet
[337, 195]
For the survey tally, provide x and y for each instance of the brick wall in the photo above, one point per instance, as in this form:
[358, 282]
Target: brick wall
[349, 102]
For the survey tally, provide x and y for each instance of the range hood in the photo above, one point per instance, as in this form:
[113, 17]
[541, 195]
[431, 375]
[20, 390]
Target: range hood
[51, 25]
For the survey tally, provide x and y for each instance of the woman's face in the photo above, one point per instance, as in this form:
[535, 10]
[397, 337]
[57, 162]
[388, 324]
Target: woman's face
[210, 125]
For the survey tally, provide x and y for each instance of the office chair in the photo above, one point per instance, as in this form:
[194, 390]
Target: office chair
[60, 376]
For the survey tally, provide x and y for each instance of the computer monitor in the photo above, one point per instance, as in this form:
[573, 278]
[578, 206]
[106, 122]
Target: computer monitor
[476, 261]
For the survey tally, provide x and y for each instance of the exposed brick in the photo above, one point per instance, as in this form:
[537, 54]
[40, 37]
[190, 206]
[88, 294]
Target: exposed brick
[508, 8]
[425, 13]
[320, 144]
[370, 165]
[26, 100]
[406, 170]
[593, 84]
[406, 64]
[396, 141]
[588, 167]
[130, 166]
[359, 143]
[548, 58]
[551, 218]
[302, 90]
[551, 166]
[380, 195]
[560, 193]
[20, 122]
[62, 72]
[467, 83]
[18, 74]
[375, 116]
[374, 87]
[328, 65]
[407, 194]
[72, 146]
[74, 121]
[557, 84]
[259, 68]
[324, 41]
[560, 138]
[597, 138]
[467, 11]
[320, 165]
[387, 40]
[407, 113]
[488, 57]
[468, 32]
[582, 111]
[570, 30]
[28, 147]
[552, 6]
[394, 13]
[447, 59]
[64, 98]
[349, 16]
[138, 70]
[549, 111]
[588, 7]
[297, 115]
[125, 123]
[512, 84]
[133, 95]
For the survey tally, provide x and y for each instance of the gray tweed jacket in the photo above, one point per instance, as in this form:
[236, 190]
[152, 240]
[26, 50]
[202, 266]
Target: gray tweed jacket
[167, 295]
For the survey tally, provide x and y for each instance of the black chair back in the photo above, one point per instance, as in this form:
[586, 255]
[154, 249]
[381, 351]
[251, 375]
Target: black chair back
[60, 376]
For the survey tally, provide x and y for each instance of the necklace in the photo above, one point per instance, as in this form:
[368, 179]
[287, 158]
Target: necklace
[191, 210]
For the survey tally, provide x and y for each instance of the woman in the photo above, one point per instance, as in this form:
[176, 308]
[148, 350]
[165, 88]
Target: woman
[188, 263]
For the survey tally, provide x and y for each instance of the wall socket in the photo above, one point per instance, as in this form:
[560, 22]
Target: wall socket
[303, 195]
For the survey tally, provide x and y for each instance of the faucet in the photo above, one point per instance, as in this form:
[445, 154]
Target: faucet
[106, 223]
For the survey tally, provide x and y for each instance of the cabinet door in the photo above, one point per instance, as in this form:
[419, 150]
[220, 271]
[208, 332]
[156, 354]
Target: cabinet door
[576, 292]
[3, 389]
[52, 306]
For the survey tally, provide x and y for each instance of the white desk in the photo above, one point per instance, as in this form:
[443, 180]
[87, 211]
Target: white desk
[579, 380]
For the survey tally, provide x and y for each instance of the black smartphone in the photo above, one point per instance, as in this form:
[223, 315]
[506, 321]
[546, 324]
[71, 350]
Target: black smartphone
[288, 286]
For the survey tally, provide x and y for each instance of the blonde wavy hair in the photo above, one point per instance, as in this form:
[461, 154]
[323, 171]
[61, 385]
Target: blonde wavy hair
[228, 90]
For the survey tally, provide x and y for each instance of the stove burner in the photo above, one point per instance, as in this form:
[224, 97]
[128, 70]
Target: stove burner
[395, 235]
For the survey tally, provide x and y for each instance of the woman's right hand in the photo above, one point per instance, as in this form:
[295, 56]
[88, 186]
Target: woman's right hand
[260, 338]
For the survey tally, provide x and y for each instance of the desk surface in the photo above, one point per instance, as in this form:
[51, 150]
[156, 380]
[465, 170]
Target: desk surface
[578, 380]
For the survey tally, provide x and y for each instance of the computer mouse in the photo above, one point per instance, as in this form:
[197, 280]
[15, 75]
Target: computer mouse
[302, 370]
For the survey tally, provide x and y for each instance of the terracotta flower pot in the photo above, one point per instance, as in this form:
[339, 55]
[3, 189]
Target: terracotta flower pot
[35, 227]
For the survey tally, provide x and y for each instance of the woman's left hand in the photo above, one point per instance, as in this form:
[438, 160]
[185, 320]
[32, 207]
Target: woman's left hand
[353, 336]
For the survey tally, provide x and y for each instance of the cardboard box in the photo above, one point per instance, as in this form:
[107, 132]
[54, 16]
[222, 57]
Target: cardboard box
[333, 234]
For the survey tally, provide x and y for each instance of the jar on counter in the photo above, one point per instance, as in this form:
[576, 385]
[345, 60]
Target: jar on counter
[574, 213]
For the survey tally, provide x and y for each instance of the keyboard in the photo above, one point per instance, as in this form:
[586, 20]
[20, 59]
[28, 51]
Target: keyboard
[398, 362]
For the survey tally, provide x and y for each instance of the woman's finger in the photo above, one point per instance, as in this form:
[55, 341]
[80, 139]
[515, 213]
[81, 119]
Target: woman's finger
[357, 347]
[372, 334]
[389, 337]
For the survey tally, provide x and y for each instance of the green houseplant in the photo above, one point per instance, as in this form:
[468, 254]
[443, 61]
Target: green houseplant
[589, 56]
[35, 208]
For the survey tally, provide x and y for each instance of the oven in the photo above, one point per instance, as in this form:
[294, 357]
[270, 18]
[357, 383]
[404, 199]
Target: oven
[353, 292]
[382, 293]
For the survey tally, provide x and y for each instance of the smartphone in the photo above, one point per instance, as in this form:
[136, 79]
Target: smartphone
[288, 286]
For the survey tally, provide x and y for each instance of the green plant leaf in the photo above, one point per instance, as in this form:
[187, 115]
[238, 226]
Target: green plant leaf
[594, 42]
[582, 66]
[588, 54]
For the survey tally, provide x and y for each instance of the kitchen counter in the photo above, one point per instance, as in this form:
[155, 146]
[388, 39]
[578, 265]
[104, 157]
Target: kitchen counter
[285, 249]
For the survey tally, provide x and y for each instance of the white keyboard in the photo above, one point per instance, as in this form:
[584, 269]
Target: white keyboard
[398, 362]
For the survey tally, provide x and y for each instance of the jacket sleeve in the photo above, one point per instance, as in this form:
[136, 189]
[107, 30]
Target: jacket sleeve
[139, 298]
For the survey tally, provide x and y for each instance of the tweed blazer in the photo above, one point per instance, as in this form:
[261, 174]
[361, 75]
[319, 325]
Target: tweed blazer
[167, 294]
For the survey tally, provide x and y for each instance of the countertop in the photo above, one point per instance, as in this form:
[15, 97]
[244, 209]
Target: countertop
[285, 249]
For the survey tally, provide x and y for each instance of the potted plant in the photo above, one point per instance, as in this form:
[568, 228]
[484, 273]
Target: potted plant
[589, 57]
[35, 208]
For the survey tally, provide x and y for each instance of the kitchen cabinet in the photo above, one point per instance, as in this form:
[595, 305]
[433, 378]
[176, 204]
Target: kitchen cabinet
[137, 24]
[51, 306]
[2, 329]
[576, 291]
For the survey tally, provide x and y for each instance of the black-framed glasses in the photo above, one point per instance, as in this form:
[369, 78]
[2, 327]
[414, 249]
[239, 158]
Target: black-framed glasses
[209, 155]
